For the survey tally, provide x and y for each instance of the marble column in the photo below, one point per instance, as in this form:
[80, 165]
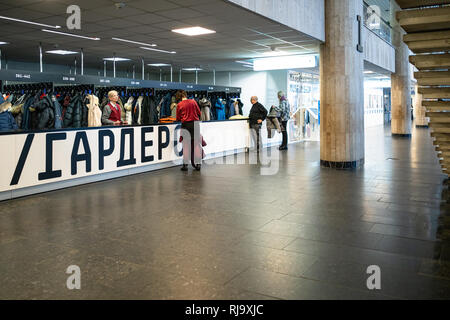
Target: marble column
[419, 110]
[400, 81]
[342, 86]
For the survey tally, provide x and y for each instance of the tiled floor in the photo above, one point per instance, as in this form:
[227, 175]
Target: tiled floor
[231, 233]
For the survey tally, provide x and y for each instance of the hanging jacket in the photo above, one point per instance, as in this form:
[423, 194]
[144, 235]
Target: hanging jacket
[85, 112]
[129, 110]
[17, 113]
[173, 108]
[58, 113]
[94, 114]
[230, 108]
[72, 118]
[45, 114]
[26, 118]
[205, 107]
[165, 106]
[220, 110]
[138, 107]
[134, 112]
[7, 121]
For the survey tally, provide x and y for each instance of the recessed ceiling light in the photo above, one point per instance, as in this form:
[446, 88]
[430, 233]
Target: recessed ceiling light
[192, 69]
[29, 22]
[135, 42]
[61, 52]
[159, 65]
[158, 50]
[71, 35]
[116, 59]
[3, 42]
[194, 31]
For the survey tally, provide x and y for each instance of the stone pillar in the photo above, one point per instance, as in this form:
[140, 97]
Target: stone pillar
[342, 86]
[419, 110]
[400, 81]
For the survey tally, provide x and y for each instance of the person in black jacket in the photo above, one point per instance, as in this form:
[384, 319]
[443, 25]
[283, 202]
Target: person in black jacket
[257, 116]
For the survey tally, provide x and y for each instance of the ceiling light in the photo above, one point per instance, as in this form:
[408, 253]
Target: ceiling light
[194, 31]
[158, 50]
[3, 42]
[70, 34]
[245, 62]
[276, 53]
[284, 63]
[61, 52]
[159, 65]
[368, 72]
[192, 69]
[116, 59]
[30, 22]
[135, 42]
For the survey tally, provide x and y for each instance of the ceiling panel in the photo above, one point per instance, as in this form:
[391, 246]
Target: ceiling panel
[240, 34]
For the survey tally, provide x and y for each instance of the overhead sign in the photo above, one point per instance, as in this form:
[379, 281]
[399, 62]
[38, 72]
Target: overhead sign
[285, 62]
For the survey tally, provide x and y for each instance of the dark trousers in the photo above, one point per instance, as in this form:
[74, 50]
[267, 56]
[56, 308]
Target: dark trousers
[191, 140]
[284, 133]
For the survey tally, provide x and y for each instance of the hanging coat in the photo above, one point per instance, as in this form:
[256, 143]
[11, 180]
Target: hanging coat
[94, 114]
[220, 109]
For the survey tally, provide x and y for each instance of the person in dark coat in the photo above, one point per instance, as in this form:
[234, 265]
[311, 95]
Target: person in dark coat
[257, 116]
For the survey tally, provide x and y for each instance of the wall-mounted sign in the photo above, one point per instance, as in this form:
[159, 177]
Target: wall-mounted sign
[39, 158]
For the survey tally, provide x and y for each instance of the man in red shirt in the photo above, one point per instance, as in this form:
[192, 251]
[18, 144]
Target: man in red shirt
[188, 113]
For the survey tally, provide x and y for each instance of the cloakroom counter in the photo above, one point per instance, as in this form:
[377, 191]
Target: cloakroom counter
[40, 161]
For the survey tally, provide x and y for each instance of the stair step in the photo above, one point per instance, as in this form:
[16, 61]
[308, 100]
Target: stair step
[429, 46]
[441, 137]
[407, 4]
[439, 117]
[431, 61]
[420, 20]
[432, 78]
[435, 93]
[436, 105]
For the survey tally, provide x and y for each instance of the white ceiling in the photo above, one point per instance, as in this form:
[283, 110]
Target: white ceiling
[241, 34]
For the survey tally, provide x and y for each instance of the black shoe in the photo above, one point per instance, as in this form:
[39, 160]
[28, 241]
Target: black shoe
[198, 167]
[184, 168]
[282, 148]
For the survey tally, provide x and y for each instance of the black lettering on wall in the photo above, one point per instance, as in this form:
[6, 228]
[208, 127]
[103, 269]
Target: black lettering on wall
[162, 145]
[86, 156]
[49, 173]
[102, 152]
[132, 160]
[145, 144]
[23, 158]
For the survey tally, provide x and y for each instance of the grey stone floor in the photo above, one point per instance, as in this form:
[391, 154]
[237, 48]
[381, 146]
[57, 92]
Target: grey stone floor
[231, 233]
